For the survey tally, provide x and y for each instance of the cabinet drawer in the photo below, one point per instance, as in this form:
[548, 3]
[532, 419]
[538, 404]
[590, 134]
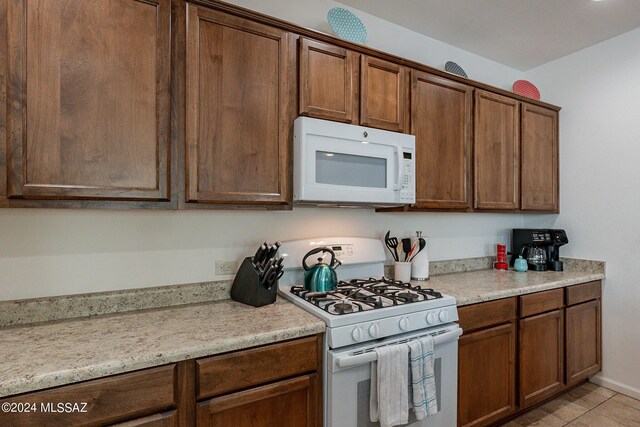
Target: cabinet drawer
[487, 314]
[230, 372]
[584, 292]
[108, 400]
[540, 302]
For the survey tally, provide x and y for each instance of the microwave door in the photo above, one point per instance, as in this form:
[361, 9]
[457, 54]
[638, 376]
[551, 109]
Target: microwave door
[343, 170]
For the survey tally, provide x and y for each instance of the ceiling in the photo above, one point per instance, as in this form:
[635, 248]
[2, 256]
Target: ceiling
[519, 33]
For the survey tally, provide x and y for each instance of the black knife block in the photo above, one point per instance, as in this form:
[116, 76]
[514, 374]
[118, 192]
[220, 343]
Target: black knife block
[247, 289]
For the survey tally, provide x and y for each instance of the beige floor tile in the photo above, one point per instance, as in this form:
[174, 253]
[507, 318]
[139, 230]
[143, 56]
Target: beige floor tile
[591, 387]
[629, 401]
[586, 396]
[539, 418]
[623, 414]
[590, 419]
[564, 409]
[511, 424]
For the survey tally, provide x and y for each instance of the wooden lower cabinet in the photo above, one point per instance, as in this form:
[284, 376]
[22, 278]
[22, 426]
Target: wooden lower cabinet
[265, 391]
[150, 397]
[541, 357]
[486, 371]
[288, 403]
[583, 330]
[533, 346]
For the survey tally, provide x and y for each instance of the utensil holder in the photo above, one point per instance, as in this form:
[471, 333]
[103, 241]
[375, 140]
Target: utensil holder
[247, 289]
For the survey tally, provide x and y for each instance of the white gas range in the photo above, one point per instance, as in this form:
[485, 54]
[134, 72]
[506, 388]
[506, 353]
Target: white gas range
[367, 311]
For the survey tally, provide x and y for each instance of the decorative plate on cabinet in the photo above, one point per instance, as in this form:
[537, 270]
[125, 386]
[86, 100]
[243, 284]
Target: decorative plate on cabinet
[526, 88]
[346, 25]
[454, 68]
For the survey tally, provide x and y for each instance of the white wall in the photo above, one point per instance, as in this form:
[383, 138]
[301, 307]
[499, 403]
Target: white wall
[53, 252]
[599, 91]
[389, 37]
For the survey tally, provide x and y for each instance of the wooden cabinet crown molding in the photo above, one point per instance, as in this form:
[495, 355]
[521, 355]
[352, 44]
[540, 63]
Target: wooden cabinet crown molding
[356, 47]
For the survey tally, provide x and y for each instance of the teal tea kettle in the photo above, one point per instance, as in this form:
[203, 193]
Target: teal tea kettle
[320, 277]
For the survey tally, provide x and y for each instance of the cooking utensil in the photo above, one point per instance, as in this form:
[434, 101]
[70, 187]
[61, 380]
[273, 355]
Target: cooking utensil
[320, 277]
[406, 247]
[390, 245]
[422, 243]
[393, 244]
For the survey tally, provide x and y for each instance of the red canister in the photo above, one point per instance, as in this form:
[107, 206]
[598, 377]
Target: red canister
[501, 257]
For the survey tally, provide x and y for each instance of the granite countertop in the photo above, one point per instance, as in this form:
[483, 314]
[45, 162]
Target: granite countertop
[485, 285]
[51, 354]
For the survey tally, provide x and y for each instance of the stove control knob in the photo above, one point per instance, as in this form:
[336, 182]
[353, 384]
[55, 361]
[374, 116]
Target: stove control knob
[431, 318]
[374, 330]
[443, 316]
[357, 334]
[404, 323]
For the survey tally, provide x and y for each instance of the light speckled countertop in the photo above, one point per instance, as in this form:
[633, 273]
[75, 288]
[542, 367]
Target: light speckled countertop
[485, 285]
[45, 355]
[49, 354]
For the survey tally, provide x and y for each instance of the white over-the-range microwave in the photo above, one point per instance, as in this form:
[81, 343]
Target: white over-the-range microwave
[337, 164]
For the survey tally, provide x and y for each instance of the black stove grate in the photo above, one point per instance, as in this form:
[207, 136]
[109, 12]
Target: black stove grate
[366, 294]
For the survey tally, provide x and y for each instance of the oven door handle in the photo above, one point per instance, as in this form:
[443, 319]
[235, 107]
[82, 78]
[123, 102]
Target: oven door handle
[371, 356]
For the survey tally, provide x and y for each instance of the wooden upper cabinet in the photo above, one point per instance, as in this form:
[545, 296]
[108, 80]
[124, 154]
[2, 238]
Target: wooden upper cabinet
[239, 88]
[496, 152]
[384, 97]
[88, 90]
[539, 147]
[441, 122]
[329, 80]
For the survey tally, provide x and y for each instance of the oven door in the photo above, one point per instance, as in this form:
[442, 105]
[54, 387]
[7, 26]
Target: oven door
[349, 382]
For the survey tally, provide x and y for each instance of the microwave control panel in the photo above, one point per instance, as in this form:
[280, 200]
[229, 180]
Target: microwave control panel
[407, 182]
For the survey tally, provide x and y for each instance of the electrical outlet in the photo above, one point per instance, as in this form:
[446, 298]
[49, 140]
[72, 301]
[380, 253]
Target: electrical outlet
[225, 268]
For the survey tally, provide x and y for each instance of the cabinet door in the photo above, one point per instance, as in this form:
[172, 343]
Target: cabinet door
[89, 99]
[486, 375]
[328, 81]
[583, 341]
[288, 403]
[384, 97]
[237, 117]
[541, 356]
[539, 187]
[496, 152]
[441, 123]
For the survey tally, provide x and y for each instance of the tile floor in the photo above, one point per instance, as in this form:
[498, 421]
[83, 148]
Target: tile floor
[586, 406]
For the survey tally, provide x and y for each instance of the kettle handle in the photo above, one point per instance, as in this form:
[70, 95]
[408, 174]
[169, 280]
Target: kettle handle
[322, 249]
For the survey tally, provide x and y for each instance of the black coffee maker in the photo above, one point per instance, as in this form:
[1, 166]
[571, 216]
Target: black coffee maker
[524, 239]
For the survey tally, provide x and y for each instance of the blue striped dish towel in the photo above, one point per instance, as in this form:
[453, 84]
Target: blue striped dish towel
[423, 381]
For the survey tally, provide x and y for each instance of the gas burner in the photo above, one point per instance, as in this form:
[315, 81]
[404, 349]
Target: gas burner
[366, 294]
[342, 307]
[408, 296]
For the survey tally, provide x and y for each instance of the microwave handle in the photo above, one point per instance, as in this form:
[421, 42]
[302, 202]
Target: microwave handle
[398, 153]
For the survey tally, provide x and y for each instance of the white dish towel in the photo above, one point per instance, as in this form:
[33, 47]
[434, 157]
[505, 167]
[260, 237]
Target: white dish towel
[389, 394]
[423, 381]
